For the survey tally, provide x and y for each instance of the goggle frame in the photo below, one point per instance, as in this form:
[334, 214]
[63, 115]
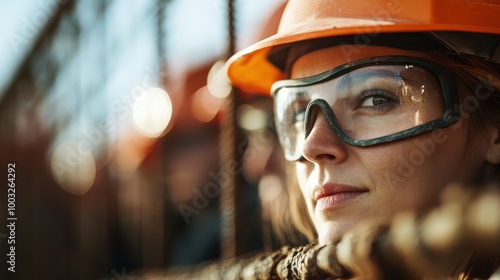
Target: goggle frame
[445, 76]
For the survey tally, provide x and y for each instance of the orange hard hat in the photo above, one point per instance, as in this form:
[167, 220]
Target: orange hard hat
[251, 70]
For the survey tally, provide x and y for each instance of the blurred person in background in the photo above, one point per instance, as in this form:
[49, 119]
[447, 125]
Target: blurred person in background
[263, 162]
[189, 156]
[264, 166]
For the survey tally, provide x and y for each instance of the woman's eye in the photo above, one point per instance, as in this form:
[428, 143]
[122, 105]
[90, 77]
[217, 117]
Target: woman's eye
[377, 100]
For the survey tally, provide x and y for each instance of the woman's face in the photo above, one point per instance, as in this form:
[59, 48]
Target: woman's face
[343, 184]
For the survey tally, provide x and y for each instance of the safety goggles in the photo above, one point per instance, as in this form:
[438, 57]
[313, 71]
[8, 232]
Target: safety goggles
[367, 102]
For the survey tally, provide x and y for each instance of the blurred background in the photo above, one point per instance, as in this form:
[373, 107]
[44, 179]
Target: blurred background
[114, 113]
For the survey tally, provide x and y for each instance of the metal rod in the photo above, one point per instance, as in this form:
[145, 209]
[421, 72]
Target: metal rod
[231, 179]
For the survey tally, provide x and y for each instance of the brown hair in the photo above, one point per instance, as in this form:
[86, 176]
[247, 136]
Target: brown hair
[479, 88]
[298, 209]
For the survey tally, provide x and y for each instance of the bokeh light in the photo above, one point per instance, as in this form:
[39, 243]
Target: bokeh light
[217, 81]
[251, 118]
[204, 105]
[73, 167]
[152, 112]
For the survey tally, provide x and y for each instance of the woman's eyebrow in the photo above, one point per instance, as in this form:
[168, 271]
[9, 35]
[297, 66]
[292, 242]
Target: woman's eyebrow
[358, 77]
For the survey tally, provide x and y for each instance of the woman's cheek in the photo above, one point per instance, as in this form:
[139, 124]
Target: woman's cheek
[398, 181]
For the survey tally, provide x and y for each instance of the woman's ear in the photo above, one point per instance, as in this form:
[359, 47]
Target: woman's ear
[493, 152]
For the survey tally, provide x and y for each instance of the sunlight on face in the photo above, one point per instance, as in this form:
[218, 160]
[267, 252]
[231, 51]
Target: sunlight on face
[343, 185]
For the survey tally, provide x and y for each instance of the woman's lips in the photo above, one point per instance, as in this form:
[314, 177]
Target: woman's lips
[330, 196]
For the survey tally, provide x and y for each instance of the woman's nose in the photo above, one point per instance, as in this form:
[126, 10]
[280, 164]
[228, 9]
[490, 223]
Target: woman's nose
[322, 143]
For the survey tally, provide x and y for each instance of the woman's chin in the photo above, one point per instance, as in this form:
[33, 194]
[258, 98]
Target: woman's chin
[332, 231]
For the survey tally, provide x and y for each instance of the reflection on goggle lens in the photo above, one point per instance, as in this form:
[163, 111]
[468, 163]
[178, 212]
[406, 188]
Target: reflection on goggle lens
[367, 102]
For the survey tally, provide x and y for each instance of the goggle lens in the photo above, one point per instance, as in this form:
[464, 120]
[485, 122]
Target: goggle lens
[362, 103]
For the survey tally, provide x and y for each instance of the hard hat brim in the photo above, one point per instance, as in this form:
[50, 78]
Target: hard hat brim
[251, 71]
